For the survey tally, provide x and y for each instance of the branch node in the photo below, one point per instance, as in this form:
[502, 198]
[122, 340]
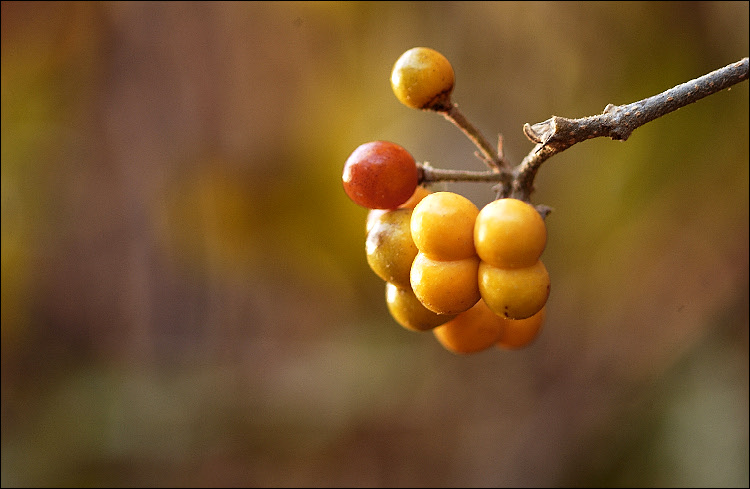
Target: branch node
[541, 132]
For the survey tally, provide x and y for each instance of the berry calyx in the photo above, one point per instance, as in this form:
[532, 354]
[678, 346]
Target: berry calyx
[509, 233]
[380, 175]
[422, 78]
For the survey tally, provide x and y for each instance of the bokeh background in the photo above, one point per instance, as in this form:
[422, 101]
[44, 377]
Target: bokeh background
[185, 295]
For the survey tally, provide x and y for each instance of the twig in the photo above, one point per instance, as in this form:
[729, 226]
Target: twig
[429, 174]
[494, 160]
[617, 122]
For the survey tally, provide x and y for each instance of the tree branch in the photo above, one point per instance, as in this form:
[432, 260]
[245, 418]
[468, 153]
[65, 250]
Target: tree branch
[617, 122]
[560, 133]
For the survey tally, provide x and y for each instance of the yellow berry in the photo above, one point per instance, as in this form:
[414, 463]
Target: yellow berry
[521, 332]
[509, 233]
[514, 293]
[409, 312]
[389, 247]
[445, 287]
[442, 226]
[471, 331]
[422, 78]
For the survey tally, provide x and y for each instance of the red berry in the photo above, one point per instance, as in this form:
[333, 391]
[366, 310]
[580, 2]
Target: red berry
[380, 175]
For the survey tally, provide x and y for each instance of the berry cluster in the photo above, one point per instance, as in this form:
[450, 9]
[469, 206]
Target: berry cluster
[473, 277]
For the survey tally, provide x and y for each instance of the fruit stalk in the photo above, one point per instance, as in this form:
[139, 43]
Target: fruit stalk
[492, 158]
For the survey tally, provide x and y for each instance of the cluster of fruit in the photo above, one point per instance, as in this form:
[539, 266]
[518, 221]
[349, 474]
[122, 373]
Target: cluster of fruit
[473, 277]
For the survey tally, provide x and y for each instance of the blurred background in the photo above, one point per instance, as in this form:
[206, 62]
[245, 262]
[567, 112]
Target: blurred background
[185, 295]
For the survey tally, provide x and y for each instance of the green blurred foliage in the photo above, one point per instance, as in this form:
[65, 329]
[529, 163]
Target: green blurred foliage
[185, 295]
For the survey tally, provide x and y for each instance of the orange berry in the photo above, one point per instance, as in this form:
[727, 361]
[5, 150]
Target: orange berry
[521, 332]
[445, 287]
[471, 331]
[442, 226]
[509, 233]
[514, 293]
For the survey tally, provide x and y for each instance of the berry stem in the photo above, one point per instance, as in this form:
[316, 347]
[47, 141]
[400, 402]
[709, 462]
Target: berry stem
[493, 159]
[429, 174]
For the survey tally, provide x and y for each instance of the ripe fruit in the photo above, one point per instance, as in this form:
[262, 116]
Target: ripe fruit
[445, 287]
[471, 331]
[409, 312]
[380, 175]
[389, 247]
[509, 233]
[515, 293]
[521, 332]
[442, 226]
[422, 78]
